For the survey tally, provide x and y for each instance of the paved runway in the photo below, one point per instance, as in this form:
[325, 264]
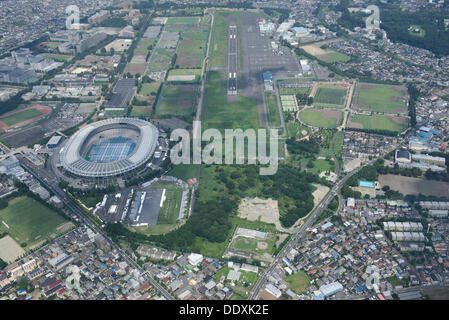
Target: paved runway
[232, 60]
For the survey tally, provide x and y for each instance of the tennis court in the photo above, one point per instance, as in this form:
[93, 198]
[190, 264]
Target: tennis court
[112, 149]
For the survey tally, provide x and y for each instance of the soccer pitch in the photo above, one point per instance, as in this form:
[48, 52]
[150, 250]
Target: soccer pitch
[29, 220]
[327, 96]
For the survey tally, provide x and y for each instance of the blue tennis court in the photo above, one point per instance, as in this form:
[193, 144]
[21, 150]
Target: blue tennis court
[112, 149]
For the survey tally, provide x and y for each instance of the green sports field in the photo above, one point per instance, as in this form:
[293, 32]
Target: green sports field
[377, 122]
[29, 220]
[323, 118]
[251, 245]
[380, 98]
[330, 96]
[20, 116]
[298, 282]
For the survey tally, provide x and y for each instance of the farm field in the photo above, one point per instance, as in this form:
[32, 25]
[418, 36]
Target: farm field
[380, 98]
[182, 20]
[141, 111]
[377, 122]
[29, 220]
[178, 101]
[330, 96]
[161, 59]
[273, 110]
[326, 55]
[187, 75]
[323, 118]
[298, 282]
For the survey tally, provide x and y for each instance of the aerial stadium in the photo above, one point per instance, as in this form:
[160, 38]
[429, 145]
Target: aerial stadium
[108, 148]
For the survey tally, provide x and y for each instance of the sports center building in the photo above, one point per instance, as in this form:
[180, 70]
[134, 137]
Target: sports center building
[109, 148]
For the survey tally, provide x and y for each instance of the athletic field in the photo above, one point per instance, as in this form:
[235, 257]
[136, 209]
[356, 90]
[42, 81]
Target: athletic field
[380, 98]
[24, 116]
[322, 118]
[330, 96]
[29, 221]
[377, 122]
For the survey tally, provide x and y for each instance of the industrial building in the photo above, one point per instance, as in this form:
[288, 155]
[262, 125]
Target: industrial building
[331, 288]
[54, 142]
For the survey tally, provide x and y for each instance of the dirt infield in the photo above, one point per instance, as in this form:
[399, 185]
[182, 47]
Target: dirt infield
[256, 209]
[10, 250]
[45, 110]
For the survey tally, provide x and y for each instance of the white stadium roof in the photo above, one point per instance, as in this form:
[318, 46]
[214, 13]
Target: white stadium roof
[73, 162]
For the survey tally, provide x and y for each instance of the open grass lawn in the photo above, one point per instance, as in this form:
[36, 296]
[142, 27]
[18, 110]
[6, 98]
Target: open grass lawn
[219, 43]
[175, 107]
[377, 122]
[29, 220]
[338, 143]
[273, 110]
[179, 91]
[219, 114]
[141, 111]
[296, 130]
[321, 165]
[20, 116]
[330, 96]
[323, 118]
[382, 98]
[184, 171]
[298, 282]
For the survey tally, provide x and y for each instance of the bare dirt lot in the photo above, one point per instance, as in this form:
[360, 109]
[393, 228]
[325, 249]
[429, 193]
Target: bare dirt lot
[319, 193]
[254, 209]
[10, 250]
[415, 186]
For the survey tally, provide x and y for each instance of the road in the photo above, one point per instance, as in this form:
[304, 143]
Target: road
[83, 218]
